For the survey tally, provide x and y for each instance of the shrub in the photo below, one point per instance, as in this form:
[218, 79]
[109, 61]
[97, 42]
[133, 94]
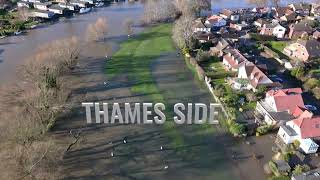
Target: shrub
[282, 177]
[236, 128]
[297, 72]
[273, 168]
[203, 56]
[261, 91]
[263, 130]
[296, 144]
[286, 156]
[311, 83]
[300, 169]
[316, 92]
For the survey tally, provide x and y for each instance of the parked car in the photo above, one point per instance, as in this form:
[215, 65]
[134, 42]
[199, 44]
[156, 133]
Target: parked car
[311, 107]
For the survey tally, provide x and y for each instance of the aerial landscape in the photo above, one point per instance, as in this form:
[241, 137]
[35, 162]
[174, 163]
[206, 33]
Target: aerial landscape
[160, 89]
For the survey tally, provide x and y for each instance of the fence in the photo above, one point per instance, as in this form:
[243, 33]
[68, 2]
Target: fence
[201, 74]
[208, 84]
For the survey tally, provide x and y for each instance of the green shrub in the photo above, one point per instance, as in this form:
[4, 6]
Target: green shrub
[262, 130]
[203, 56]
[311, 83]
[300, 169]
[282, 177]
[236, 128]
[297, 72]
[273, 168]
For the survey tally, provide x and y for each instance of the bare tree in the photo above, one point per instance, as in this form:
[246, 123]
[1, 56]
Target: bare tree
[23, 13]
[98, 30]
[159, 11]
[182, 31]
[259, 3]
[128, 25]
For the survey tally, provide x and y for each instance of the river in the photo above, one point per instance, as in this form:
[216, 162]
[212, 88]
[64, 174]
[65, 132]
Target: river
[15, 49]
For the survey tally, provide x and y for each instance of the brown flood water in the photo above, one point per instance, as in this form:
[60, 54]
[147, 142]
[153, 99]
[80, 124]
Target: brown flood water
[15, 49]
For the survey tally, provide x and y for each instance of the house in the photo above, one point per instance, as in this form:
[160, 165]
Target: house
[220, 47]
[301, 8]
[200, 26]
[60, 1]
[215, 21]
[203, 37]
[228, 14]
[289, 18]
[233, 60]
[281, 11]
[42, 14]
[261, 10]
[279, 106]
[24, 4]
[69, 6]
[310, 175]
[239, 26]
[88, 1]
[316, 35]
[42, 6]
[254, 76]
[261, 22]
[304, 129]
[37, 1]
[79, 3]
[303, 50]
[57, 9]
[300, 30]
[273, 29]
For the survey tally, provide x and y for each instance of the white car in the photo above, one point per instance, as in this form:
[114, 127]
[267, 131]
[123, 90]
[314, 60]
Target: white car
[311, 107]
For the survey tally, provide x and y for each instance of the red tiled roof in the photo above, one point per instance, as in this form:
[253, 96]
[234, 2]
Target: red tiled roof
[287, 99]
[309, 127]
[299, 111]
[214, 19]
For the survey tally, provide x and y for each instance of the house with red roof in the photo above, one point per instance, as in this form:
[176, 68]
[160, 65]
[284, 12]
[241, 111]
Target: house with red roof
[280, 106]
[233, 60]
[215, 21]
[305, 129]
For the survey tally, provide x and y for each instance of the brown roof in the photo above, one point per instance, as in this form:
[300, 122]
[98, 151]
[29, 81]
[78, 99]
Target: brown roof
[312, 46]
[235, 58]
[227, 12]
[302, 27]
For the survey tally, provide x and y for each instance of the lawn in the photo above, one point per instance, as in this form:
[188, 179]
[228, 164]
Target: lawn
[277, 47]
[136, 55]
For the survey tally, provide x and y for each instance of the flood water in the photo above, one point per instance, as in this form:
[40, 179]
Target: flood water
[14, 50]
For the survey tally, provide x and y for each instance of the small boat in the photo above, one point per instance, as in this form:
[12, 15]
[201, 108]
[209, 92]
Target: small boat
[84, 10]
[100, 4]
[17, 33]
[33, 26]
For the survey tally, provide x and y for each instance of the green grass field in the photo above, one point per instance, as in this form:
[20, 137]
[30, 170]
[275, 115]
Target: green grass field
[136, 55]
